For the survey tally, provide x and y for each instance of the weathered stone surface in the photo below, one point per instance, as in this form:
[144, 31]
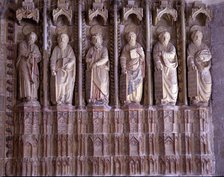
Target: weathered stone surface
[116, 139]
[217, 28]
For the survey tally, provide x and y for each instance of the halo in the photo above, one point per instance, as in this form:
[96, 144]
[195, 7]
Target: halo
[131, 28]
[196, 28]
[161, 29]
[62, 29]
[96, 29]
[27, 29]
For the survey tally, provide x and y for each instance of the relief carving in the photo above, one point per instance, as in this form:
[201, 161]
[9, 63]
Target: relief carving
[199, 64]
[132, 8]
[63, 71]
[165, 9]
[27, 11]
[200, 8]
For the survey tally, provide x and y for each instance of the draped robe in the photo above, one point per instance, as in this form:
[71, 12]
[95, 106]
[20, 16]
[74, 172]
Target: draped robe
[99, 74]
[64, 63]
[28, 73]
[201, 57]
[166, 55]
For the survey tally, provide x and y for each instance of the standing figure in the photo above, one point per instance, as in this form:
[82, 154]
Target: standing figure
[133, 66]
[199, 63]
[63, 70]
[165, 62]
[98, 71]
[27, 65]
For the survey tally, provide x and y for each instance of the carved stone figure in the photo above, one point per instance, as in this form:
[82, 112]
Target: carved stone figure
[63, 63]
[133, 67]
[199, 63]
[165, 60]
[97, 60]
[27, 65]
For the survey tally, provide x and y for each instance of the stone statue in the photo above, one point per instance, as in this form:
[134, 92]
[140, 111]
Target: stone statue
[165, 62]
[97, 60]
[133, 66]
[199, 63]
[27, 65]
[63, 70]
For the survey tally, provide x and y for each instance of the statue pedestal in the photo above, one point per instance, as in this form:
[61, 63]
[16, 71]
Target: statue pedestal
[132, 106]
[28, 119]
[133, 140]
[65, 118]
[98, 107]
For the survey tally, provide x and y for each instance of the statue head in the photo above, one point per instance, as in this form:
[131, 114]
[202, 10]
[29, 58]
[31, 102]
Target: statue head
[97, 40]
[196, 37]
[32, 37]
[164, 38]
[131, 38]
[63, 41]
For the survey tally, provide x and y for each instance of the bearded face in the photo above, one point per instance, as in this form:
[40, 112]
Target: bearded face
[132, 39]
[97, 41]
[63, 41]
[164, 38]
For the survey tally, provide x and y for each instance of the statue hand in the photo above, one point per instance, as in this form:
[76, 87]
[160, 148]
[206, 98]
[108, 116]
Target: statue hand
[159, 66]
[193, 66]
[124, 71]
[53, 73]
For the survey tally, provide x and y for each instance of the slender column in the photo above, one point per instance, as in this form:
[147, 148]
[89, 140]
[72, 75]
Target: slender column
[45, 56]
[116, 55]
[183, 53]
[148, 16]
[80, 73]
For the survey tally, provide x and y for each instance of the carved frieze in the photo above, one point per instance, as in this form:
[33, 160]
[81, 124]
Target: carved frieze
[132, 9]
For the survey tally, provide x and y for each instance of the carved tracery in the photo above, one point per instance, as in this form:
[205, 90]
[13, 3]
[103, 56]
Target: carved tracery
[101, 124]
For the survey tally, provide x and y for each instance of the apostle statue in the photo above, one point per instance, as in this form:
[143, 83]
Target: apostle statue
[63, 70]
[199, 63]
[97, 60]
[133, 67]
[165, 62]
[27, 65]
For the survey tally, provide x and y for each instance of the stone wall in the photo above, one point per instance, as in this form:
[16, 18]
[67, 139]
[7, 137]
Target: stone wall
[217, 28]
[61, 165]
